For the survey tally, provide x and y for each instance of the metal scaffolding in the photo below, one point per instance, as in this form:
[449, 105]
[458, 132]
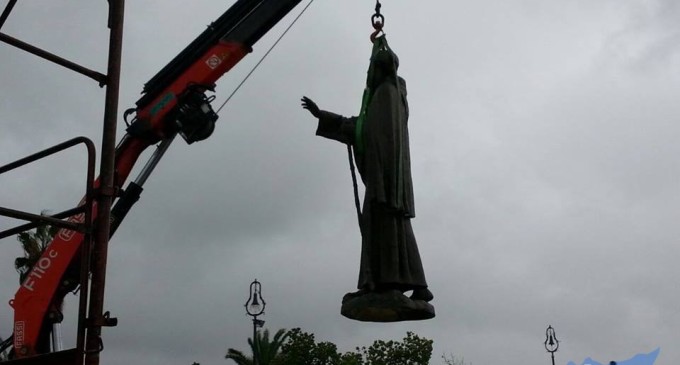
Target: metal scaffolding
[91, 317]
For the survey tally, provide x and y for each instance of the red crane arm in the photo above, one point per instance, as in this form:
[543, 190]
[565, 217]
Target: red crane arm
[38, 294]
[173, 103]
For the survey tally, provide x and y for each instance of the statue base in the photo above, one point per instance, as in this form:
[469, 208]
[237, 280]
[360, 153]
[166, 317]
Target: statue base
[389, 306]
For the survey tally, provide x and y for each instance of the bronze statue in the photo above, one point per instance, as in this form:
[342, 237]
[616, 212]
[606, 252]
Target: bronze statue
[390, 261]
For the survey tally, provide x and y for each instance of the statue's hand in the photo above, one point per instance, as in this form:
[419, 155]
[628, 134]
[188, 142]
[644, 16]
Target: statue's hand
[310, 105]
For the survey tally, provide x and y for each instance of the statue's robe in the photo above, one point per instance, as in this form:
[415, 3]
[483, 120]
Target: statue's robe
[389, 253]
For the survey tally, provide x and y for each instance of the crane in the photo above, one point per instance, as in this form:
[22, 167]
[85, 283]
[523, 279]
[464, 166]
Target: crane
[173, 102]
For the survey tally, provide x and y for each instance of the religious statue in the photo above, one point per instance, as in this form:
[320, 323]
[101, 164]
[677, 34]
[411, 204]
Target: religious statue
[390, 261]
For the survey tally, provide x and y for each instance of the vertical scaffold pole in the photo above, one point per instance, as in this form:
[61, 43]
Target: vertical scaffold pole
[96, 318]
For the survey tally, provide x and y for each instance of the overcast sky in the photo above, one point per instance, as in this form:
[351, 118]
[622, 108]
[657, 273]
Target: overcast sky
[545, 162]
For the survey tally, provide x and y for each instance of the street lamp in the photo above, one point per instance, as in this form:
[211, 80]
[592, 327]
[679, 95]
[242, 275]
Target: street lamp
[551, 343]
[255, 307]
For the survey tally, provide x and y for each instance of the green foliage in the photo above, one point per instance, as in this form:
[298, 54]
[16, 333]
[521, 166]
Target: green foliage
[351, 358]
[263, 349]
[413, 350]
[450, 359]
[34, 244]
[239, 357]
[302, 349]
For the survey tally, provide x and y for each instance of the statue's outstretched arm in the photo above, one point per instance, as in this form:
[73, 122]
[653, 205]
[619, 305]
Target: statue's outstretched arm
[331, 125]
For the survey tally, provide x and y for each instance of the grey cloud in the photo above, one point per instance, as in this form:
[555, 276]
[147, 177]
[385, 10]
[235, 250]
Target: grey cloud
[544, 162]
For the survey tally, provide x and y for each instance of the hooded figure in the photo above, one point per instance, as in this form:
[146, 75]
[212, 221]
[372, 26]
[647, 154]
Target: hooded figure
[389, 254]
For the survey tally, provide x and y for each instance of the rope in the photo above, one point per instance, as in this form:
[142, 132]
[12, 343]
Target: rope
[357, 204]
[263, 57]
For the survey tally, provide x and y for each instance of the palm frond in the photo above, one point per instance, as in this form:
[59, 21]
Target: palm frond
[238, 357]
[33, 244]
[263, 349]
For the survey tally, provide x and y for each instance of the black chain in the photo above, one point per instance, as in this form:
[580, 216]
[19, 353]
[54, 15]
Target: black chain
[377, 19]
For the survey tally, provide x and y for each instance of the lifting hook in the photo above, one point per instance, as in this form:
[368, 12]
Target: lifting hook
[378, 21]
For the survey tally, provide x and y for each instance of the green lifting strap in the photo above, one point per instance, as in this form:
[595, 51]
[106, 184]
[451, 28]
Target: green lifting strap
[380, 44]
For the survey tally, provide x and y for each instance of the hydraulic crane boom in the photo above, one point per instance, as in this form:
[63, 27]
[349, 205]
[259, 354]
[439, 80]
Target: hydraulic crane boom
[173, 102]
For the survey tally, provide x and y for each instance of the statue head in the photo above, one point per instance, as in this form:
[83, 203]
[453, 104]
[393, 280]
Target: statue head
[387, 60]
[386, 65]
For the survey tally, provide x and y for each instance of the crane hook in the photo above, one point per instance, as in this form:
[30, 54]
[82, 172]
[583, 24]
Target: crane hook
[378, 21]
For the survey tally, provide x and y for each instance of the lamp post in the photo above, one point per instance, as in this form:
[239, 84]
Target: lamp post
[255, 307]
[551, 343]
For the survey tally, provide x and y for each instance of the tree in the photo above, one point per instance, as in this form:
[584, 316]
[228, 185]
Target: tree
[450, 359]
[301, 348]
[262, 349]
[239, 357]
[34, 244]
[413, 350]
